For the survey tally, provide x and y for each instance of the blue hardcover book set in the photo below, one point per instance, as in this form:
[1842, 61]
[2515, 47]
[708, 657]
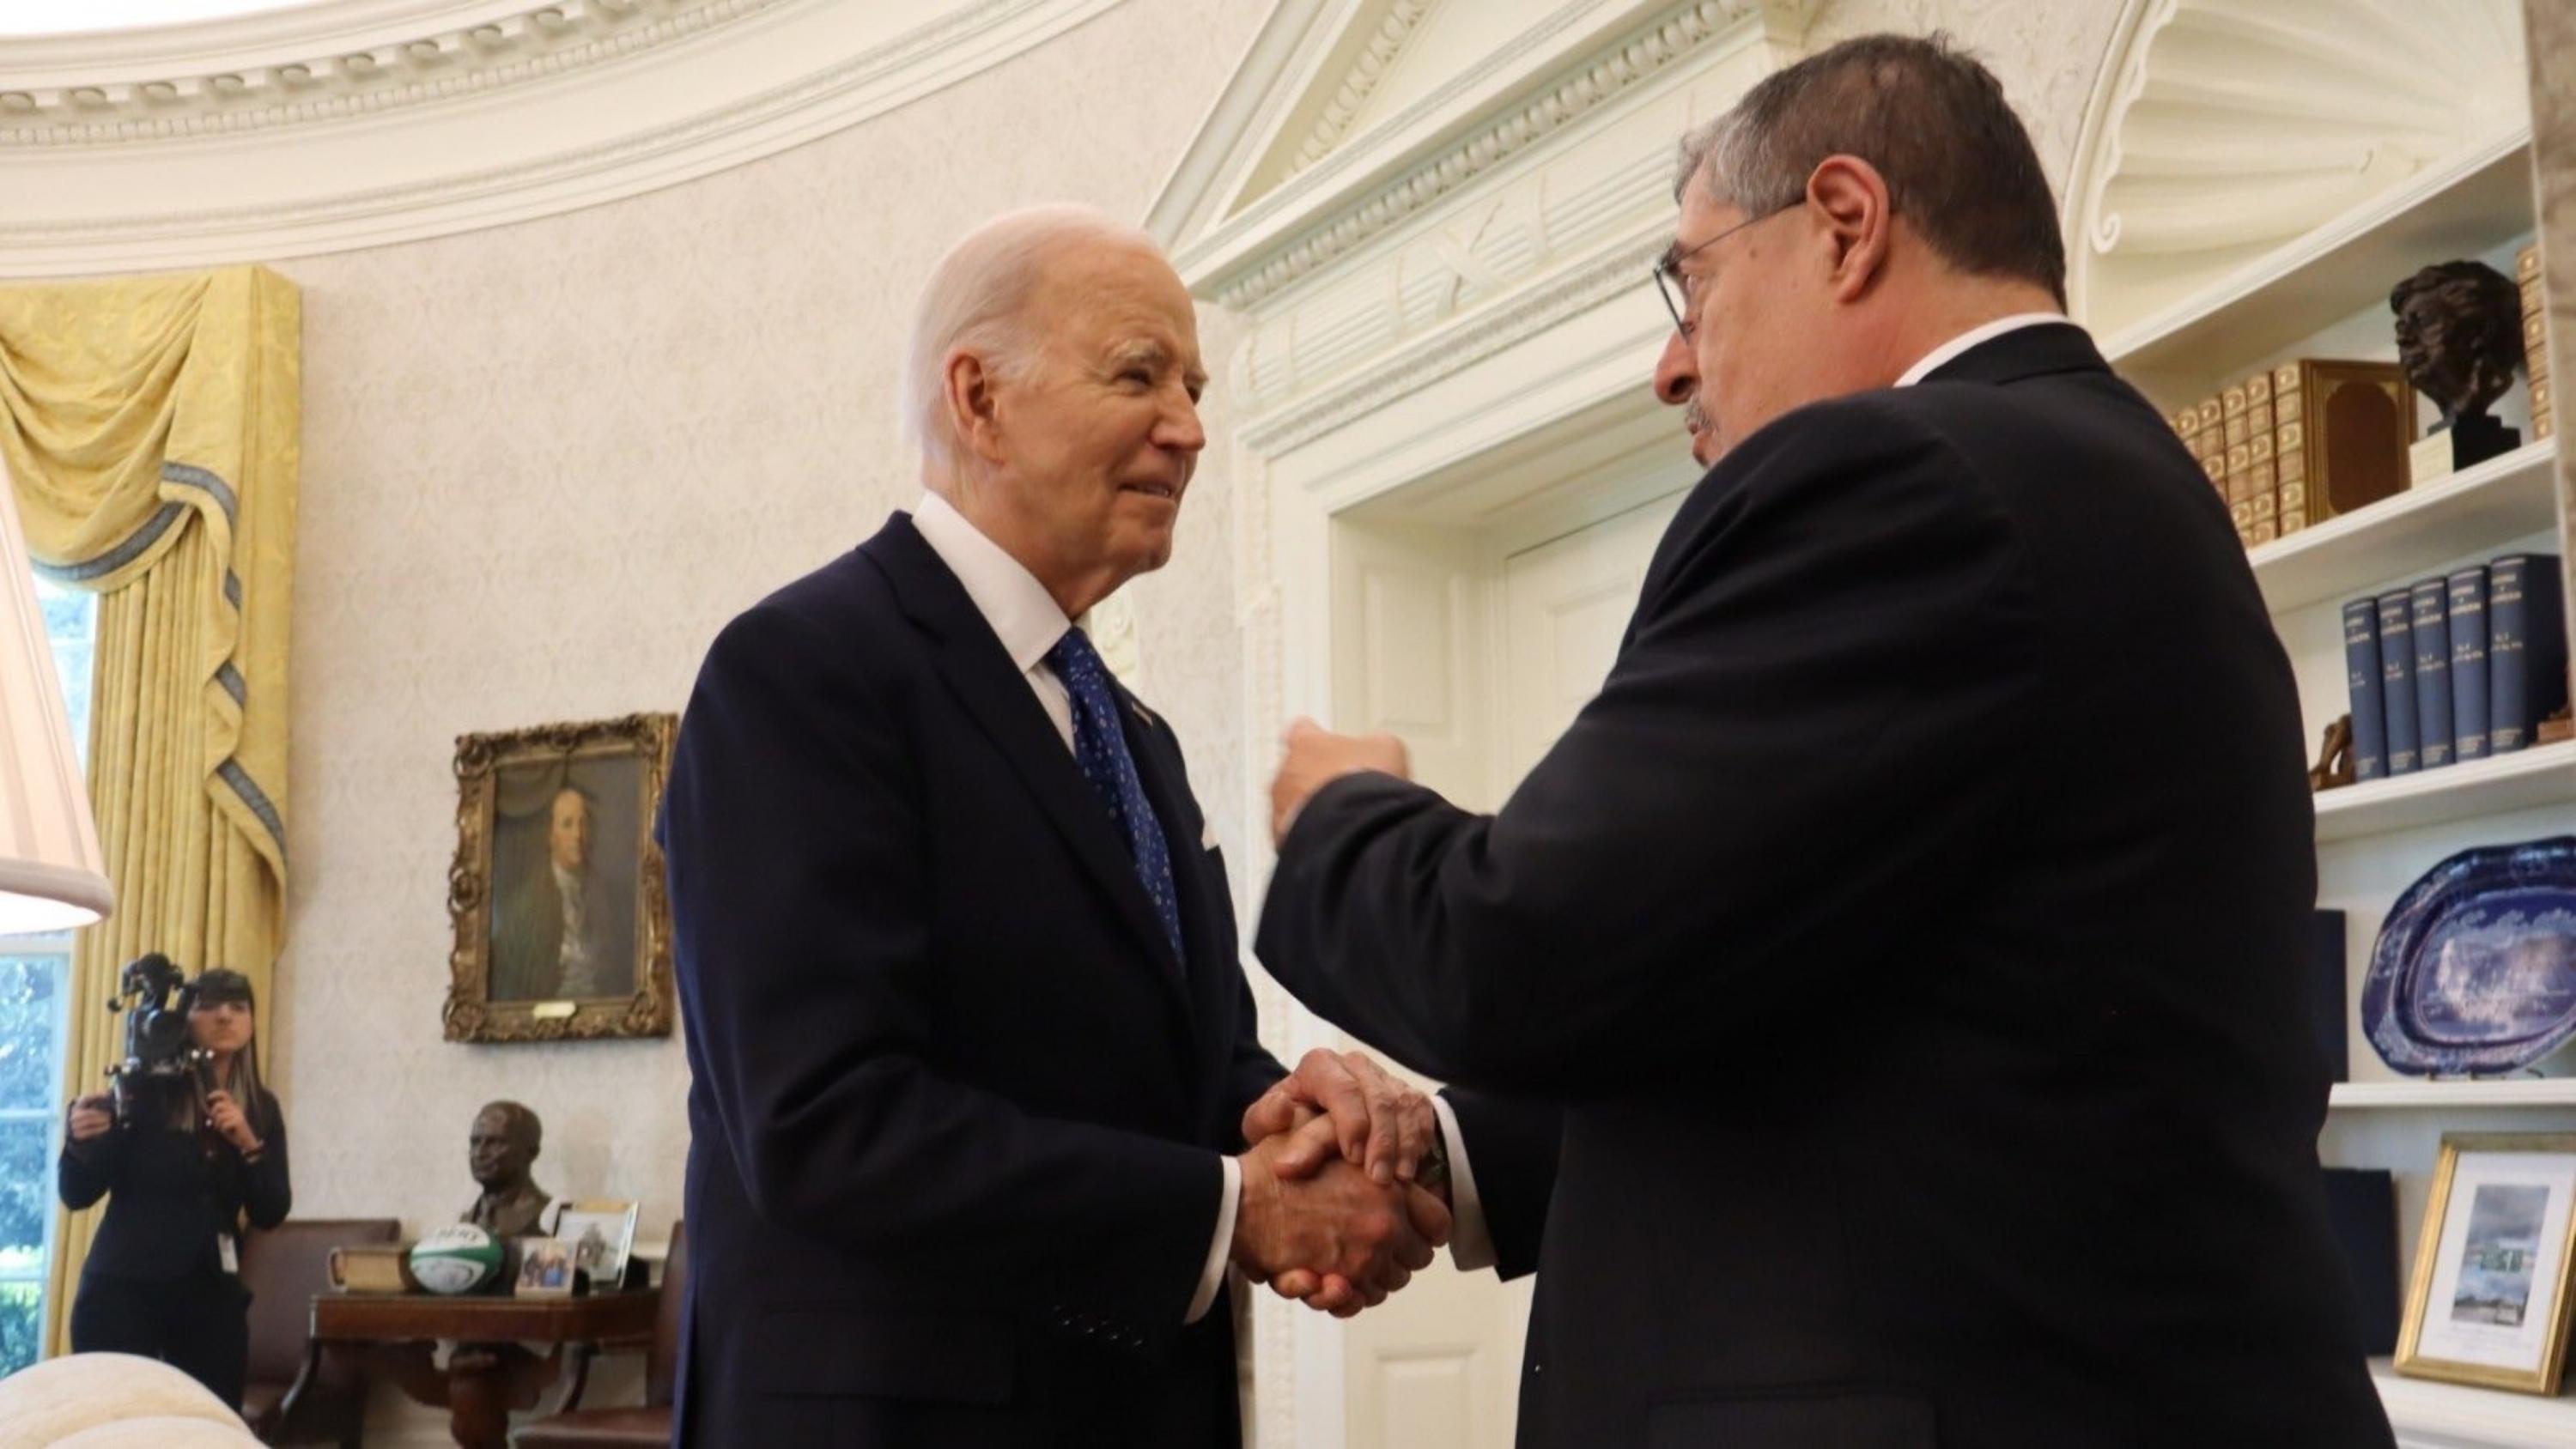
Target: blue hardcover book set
[2455, 668]
[2361, 675]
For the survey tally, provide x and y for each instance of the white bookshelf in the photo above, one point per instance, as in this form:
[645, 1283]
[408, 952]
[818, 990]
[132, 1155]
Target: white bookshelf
[2472, 204]
[2322, 295]
[2418, 530]
[2527, 779]
[2459, 1414]
[2453, 1096]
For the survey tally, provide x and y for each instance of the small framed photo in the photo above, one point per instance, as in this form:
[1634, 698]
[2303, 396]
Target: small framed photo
[545, 1268]
[2488, 1300]
[601, 1233]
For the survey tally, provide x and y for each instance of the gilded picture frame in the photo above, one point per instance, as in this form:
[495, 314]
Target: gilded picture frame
[2488, 1298]
[562, 919]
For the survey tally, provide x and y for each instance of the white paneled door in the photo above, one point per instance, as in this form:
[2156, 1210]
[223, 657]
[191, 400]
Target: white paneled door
[1438, 1366]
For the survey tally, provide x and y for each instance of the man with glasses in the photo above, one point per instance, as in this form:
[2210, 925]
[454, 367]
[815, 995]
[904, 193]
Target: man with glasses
[1879, 1019]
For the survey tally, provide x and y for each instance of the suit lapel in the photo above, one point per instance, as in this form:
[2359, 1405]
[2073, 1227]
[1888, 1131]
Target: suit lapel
[997, 696]
[1161, 777]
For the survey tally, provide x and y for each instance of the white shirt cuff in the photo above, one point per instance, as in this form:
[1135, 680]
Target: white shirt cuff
[1471, 1242]
[1212, 1274]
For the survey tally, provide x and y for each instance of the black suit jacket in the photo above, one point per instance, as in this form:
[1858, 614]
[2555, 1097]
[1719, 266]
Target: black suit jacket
[957, 1107]
[1910, 941]
[171, 1193]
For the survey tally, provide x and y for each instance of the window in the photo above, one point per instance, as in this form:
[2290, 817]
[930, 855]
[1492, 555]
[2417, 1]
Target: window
[34, 976]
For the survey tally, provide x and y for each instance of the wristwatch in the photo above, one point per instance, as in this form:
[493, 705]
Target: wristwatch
[1431, 1174]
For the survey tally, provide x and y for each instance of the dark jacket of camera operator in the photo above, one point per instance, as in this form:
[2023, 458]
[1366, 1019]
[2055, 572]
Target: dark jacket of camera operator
[184, 1164]
[171, 1193]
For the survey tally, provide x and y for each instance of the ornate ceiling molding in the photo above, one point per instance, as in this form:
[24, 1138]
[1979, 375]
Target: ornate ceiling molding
[1599, 77]
[363, 75]
[614, 98]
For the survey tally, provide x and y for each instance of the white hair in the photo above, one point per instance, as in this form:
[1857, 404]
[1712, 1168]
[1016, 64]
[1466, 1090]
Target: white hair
[977, 299]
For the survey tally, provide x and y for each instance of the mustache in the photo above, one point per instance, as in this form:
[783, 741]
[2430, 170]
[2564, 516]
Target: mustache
[1695, 416]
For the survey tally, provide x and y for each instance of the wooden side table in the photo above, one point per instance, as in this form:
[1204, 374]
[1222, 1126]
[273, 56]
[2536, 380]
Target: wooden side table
[506, 1350]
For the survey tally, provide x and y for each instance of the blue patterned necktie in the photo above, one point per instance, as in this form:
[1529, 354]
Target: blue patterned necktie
[1100, 748]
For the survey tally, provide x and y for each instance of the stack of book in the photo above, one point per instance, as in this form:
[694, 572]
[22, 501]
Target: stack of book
[2203, 436]
[2455, 668]
[2535, 339]
[2264, 444]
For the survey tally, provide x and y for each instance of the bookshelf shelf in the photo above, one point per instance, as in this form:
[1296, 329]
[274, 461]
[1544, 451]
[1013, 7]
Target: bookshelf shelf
[2416, 531]
[2484, 1416]
[2540, 775]
[2477, 202]
[2505, 1092]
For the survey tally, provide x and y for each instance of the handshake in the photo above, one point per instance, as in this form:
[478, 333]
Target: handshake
[1335, 1210]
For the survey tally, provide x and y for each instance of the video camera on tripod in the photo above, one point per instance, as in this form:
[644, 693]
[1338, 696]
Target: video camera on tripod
[161, 1057]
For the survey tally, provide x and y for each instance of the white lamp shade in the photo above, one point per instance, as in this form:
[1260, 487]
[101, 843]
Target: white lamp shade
[52, 876]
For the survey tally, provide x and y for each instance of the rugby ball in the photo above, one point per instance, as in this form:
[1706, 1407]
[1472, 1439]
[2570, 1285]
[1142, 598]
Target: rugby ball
[458, 1258]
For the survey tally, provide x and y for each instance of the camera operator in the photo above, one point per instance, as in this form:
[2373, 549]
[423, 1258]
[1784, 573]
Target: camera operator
[182, 1171]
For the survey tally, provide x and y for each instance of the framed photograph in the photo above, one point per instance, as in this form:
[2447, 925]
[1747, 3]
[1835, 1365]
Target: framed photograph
[601, 1234]
[545, 1268]
[2488, 1300]
[563, 929]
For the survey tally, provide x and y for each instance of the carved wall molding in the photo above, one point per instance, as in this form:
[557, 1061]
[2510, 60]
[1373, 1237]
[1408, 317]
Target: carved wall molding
[363, 78]
[1619, 270]
[2220, 130]
[1603, 76]
[673, 90]
[1361, 82]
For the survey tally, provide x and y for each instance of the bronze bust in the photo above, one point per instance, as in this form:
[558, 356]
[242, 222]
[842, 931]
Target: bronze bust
[2459, 338]
[501, 1150]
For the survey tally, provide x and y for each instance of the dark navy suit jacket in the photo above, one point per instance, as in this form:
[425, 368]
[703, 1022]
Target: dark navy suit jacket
[957, 1107]
[1906, 954]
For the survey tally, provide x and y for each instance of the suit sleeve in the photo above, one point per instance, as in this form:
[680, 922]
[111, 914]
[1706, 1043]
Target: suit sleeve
[89, 1169]
[1253, 1068]
[267, 1193]
[796, 849]
[1513, 1147]
[1797, 751]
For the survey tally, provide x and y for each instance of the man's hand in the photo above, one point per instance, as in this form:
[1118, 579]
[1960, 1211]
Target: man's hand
[1382, 1125]
[90, 1119]
[1315, 757]
[229, 1123]
[1333, 1232]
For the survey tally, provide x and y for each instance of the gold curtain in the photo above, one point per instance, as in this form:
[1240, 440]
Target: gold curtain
[151, 429]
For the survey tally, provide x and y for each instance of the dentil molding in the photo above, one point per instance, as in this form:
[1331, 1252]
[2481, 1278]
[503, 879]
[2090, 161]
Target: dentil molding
[377, 121]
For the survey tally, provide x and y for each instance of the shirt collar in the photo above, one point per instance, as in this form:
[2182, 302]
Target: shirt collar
[1932, 360]
[1023, 615]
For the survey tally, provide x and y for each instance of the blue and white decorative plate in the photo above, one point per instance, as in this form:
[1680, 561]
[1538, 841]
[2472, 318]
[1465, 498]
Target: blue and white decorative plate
[2475, 968]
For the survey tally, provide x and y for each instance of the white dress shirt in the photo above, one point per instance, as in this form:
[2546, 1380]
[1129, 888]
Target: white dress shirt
[1924, 365]
[1028, 621]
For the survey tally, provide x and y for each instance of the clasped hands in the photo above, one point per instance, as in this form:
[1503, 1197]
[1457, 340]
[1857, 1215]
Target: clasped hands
[1331, 1213]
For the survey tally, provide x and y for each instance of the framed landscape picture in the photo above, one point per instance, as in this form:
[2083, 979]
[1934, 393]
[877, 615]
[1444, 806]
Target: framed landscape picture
[2487, 1302]
[563, 929]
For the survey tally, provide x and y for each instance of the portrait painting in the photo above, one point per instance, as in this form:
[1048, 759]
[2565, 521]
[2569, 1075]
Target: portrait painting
[2488, 1300]
[562, 925]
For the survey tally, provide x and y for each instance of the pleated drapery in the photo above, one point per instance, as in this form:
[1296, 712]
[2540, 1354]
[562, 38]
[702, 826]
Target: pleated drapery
[150, 429]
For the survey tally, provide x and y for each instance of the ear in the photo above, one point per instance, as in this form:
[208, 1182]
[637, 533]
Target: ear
[974, 415]
[1850, 198]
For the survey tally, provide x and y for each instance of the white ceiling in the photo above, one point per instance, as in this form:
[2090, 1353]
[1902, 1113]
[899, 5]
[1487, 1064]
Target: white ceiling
[62, 17]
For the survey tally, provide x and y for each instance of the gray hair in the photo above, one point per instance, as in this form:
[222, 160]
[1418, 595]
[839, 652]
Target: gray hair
[1958, 164]
[977, 299]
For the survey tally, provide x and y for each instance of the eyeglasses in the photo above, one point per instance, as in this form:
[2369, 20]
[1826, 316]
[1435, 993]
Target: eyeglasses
[1674, 288]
